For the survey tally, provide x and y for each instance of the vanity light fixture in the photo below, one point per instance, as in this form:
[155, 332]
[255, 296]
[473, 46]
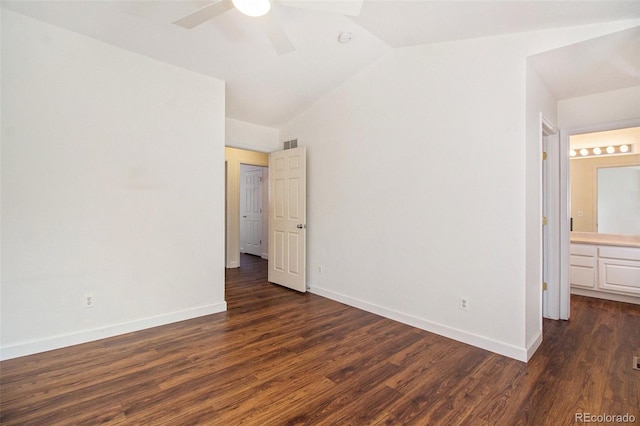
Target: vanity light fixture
[601, 150]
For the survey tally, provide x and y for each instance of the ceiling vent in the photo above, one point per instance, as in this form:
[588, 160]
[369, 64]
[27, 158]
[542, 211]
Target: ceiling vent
[293, 143]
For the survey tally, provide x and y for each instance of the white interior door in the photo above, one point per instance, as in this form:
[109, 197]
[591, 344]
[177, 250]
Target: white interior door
[550, 209]
[552, 300]
[288, 218]
[251, 210]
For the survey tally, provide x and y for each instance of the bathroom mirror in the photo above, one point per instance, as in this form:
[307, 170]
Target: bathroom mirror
[618, 194]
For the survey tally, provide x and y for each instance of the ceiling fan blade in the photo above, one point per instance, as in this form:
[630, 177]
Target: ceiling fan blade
[276, 34]
[204, 14]
[343, 7]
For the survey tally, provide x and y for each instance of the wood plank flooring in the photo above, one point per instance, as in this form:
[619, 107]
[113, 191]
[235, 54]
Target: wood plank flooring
[282, 358]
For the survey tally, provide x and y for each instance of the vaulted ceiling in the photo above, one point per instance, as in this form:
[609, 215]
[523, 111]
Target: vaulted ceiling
[269, 89]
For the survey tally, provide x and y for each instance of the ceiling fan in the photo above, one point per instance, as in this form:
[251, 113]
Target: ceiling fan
[260, 9]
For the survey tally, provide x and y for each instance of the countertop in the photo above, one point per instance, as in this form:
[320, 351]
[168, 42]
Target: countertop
[605, 239]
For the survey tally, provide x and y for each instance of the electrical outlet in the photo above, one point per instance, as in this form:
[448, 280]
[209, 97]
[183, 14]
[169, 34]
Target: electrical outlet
[464, 303]
[88, 300]
[320, 269]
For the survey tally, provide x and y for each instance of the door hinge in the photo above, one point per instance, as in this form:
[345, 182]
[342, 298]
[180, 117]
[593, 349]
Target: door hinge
[544, 285]
[544, 220]
[544, 155]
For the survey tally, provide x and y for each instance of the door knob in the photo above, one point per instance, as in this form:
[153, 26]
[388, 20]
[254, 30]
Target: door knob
[301, 226]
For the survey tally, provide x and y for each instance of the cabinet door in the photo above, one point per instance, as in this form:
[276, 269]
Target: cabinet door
[619, 275]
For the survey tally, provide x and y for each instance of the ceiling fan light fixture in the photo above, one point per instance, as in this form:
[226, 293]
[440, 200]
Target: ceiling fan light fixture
[252, 7]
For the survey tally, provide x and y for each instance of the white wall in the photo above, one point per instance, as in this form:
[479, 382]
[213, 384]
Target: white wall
[623, 104]
[420, 183]
[245, 135]
[112, 184]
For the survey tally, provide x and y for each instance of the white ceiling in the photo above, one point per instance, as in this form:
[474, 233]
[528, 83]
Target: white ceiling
[268, 89]
[606, 63]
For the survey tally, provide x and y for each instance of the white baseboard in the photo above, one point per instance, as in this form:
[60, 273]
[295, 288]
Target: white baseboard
[607, 296]
[265, 256]
[48, 344]
[534, 345]
[511, 351]
[231, 265]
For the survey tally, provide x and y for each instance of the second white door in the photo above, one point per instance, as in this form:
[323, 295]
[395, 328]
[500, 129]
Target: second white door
[251, 210]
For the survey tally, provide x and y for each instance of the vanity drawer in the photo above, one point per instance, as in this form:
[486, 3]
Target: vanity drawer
[589, 261]
[582, 250]
[626, 253]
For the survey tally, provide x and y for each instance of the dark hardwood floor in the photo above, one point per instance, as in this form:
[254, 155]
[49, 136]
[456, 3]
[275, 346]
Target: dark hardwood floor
[278, 357]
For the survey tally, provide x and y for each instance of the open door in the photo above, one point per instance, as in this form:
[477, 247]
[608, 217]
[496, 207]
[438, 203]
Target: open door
[551, 221]
[288, 218]
[550, 228]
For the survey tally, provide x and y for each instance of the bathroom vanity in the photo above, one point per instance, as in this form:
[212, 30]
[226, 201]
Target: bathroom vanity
[605, 266]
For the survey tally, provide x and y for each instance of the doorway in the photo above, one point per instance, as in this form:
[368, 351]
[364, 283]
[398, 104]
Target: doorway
[234, 158]
[566, 207]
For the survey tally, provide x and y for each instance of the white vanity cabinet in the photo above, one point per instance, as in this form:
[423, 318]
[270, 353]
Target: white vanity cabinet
[609, 272]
